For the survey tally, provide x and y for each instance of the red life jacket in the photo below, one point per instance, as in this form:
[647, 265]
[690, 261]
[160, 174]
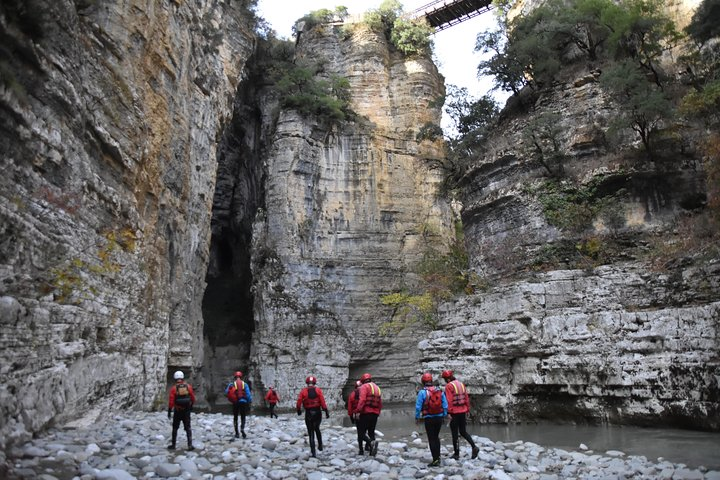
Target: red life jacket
[459, 402]
[312, 399]
[373, 398]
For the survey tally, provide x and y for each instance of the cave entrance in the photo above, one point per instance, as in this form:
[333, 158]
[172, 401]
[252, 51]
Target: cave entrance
[227, 305]
[228, 314]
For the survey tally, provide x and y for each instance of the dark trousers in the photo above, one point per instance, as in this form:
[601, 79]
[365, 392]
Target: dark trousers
[313, 419]
[242, 409]
[272, 411]
[184, 417]
[366, 424]
[432, 428]
[457, 425]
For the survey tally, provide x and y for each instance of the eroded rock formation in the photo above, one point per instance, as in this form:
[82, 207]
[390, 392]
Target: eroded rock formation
[345, 211]
[594, 322]
[110, 113]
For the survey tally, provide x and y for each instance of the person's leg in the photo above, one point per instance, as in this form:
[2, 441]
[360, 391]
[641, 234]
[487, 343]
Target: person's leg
[309, 424]
[176, 419]
[317, 423]
[372, 423]
[236, 410]
[243, 414]
[188, 428]
[454, 428]
[272, 410]
[361, 426]
[462, 422]
[432, 428]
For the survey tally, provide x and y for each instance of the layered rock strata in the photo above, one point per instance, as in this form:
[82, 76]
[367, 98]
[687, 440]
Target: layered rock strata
[110, 117]
[557, 336]
[345, 211]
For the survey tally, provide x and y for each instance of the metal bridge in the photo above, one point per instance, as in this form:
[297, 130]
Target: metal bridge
[442, 14]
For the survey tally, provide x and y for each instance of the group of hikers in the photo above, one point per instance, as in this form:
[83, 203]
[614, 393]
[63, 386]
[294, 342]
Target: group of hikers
[432, 405]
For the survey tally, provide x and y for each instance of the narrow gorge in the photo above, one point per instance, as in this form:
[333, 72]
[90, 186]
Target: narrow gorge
[163, 207]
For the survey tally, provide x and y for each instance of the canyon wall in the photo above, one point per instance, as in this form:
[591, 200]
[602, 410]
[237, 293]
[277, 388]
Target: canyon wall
[110, 114]
[348, 210]
[613, 320]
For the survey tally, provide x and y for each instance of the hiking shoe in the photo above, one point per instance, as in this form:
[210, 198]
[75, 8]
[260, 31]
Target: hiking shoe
[320, 446]
[361, 453]
[237, 435]
[191, 447]
[475, 452]
[243, 434]
[171, 447]
[456, 456]
[434, 463]
[374, 450]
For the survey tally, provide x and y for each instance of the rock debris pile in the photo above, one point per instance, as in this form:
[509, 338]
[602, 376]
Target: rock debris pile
[134, 445]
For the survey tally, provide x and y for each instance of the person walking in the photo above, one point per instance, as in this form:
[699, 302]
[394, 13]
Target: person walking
[458, 402]
[368, 409]
[352, 402]
[238, 393]
[312, 399]
[180, 404]
[272, 398]
[431, 406]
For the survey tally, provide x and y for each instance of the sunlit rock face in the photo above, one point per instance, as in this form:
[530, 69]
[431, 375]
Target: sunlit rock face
[591, 322]
[109, 121]
[345, 211]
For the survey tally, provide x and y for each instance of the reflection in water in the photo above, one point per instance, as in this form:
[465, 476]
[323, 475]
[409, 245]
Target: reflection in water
[678, 446]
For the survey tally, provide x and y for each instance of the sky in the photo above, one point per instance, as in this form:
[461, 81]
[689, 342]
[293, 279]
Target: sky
[454, 49]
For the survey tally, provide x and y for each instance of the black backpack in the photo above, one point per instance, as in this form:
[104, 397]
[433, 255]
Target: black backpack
[182, 395]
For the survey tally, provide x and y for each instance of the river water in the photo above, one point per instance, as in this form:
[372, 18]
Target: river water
[692, 448]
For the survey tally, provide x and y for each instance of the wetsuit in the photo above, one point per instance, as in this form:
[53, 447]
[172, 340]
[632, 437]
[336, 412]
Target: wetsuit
[433, 421]
[239, 392]
[313, 400]
[368, 408]
[180, 407]
[272, 399]
[458, 406]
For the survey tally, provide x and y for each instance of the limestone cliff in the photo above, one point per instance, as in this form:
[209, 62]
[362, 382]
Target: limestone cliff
[345, 208]
[110, 113]
[613, 320]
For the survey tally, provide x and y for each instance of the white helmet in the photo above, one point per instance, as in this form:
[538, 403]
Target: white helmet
[179, 375]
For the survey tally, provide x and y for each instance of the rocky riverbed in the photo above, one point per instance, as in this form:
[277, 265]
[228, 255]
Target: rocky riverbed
[134, 445]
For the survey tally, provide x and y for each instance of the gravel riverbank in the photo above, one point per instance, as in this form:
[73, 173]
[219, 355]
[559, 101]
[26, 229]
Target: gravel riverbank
[134, 446]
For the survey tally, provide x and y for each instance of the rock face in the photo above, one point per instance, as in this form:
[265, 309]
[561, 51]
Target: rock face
[109, 123]
[557, 336]
[345, 208]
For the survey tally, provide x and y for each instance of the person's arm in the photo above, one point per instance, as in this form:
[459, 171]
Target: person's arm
[171, 401]
[444, 404]
[362, 395]
[323, 405]
[350, 403]
[300, 401]
[419, 404]
[248, 395]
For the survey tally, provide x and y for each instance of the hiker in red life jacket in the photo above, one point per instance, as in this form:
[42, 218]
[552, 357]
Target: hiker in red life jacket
[368, 409]
[238, 393]
[431, 405]
[312, 399]
[353, 399]
[458, 406]
[180, 404]
[272, 398]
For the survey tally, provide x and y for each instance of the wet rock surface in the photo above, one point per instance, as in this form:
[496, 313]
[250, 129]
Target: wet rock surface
[134, 445]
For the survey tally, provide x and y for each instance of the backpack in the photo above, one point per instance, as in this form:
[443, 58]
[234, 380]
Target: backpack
[235, 392]
[433, 401]
[182, 395]
[311, 392]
